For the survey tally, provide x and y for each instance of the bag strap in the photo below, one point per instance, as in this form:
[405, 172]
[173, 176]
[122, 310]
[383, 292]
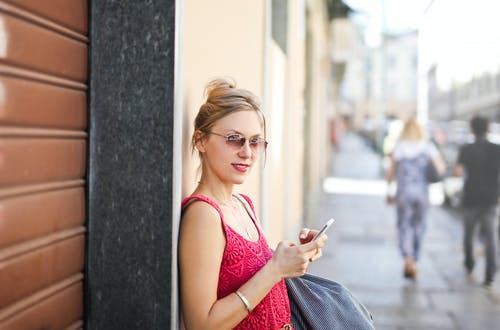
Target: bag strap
[247, 203]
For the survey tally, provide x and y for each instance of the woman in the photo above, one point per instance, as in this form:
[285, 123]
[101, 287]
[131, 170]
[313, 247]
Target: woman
[229, 277]
[408, 164]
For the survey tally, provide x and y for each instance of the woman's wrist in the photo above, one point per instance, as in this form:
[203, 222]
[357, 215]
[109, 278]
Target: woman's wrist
[244, 300]
[391, 188]
[274, 270]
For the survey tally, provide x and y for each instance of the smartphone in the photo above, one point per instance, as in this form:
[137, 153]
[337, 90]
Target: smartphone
[325, 227]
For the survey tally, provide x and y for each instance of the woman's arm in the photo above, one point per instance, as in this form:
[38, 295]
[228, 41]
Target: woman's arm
[389, 177]
[439, 163]
[437, 159]
[201, 246]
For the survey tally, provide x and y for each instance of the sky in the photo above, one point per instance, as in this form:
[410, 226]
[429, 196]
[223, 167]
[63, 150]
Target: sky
[460, 36]
[391, 16]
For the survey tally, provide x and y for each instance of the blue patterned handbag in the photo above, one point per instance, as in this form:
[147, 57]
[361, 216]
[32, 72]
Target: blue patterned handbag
[317, 303]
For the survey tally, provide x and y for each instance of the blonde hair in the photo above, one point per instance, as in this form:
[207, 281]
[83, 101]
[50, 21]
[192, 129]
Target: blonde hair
[413, 131]
[222, 98]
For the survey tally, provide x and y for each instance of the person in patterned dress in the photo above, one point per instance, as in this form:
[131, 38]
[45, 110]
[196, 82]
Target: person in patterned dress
[408, 163]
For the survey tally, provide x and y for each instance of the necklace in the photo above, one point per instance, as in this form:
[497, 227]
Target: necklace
[234, 207]
[239, 216]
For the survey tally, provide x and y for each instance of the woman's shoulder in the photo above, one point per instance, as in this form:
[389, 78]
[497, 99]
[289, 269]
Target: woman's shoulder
[200, 206]
[200, 220]
[402, 147]
[198, 198]
[412, 149]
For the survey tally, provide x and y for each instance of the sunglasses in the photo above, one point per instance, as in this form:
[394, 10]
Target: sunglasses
[236, 141]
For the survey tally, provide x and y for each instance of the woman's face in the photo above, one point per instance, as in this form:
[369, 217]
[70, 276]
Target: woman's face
[230, 162]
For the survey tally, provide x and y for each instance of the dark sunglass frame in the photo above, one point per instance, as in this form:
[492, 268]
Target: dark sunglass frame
[237, 141]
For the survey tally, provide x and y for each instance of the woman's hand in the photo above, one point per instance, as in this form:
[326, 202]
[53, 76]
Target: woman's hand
[292, 260]
[306, 235]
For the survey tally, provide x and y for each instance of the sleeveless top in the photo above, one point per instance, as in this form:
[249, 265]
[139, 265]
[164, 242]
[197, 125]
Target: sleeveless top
[241, 260]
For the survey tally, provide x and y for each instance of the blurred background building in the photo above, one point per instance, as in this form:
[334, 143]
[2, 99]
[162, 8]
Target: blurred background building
[459, 73]
[97, 104]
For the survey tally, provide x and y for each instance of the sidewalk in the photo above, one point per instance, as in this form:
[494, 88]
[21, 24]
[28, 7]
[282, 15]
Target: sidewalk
[362, 254]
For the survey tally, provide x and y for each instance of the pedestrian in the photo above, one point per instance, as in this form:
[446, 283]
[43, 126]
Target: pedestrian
[229, 277]
[479, 163]
[408, 162]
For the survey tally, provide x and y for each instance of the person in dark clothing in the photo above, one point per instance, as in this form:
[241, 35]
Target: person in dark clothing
[479, 163]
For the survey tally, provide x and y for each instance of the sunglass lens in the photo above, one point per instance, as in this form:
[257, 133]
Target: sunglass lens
[258, 145]
[236, 140]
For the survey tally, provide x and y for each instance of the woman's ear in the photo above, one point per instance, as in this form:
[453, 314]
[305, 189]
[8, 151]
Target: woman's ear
[200, 141]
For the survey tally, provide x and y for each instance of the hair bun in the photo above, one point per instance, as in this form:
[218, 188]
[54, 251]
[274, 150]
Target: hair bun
[218, 85]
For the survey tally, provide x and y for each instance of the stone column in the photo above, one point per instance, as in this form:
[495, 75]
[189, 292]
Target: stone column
[129, 220]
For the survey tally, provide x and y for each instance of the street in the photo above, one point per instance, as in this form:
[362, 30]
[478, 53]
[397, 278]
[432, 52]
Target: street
[362, 253]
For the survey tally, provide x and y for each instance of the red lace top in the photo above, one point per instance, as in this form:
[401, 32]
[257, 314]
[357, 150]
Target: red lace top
[241, 260]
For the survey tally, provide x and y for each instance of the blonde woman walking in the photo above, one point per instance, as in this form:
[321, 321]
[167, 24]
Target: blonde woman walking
[408, 163]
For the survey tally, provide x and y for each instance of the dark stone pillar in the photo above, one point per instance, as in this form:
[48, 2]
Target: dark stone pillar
[129, 248]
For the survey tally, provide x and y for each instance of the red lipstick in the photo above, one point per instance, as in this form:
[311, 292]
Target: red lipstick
[241, 167]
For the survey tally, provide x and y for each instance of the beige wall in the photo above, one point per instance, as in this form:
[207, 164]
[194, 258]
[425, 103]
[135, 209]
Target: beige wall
[218, 43]
[229, 37]
[293, 123]
[319, 105]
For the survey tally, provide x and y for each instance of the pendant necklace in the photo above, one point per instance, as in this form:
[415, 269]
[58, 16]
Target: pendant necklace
[240, 222]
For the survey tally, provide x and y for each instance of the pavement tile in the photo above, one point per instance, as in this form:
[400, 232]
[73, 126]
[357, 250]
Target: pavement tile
[415, 318]
[407, 296]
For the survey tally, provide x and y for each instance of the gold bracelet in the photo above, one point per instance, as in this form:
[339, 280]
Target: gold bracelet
[244, 300]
